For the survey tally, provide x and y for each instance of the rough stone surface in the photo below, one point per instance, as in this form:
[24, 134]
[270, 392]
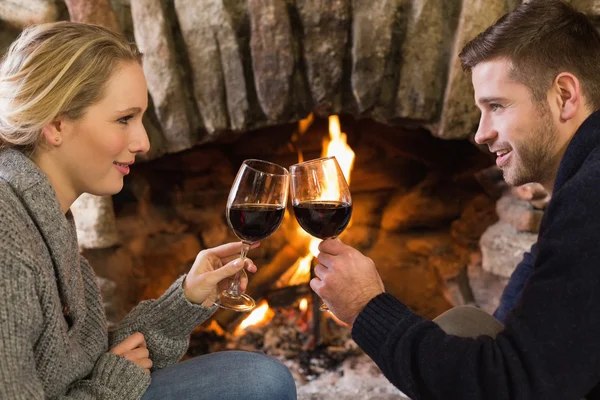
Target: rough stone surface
[486, 287]
[239, 65]
[519, 213]
[152, 31]
[372, 30]
[502, 248]
[459, 116]
[95, 221]
[398, 267]
[272, 57]
[325, 26]
[7, 36]
[21, 13]
[98, 12]
[430, 204]
[215, 60]
[424, 55]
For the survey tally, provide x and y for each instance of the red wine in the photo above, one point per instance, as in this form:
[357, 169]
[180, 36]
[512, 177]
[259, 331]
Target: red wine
[323, 219]
[255, 222]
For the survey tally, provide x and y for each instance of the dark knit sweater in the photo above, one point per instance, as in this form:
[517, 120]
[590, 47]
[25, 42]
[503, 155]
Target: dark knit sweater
[53, 336]
[550, 347]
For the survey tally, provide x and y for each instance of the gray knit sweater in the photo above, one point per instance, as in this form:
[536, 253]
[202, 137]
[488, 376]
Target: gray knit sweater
[53, 334]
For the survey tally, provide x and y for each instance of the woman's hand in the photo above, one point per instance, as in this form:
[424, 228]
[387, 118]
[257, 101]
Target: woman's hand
[134, 349]
[213, 272]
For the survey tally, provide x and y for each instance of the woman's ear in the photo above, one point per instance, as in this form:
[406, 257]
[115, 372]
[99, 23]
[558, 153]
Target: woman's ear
[569, 97]
[53, 132]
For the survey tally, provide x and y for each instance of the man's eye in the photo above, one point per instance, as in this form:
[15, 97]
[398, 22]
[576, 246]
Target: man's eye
[495, 107]
[125, 119]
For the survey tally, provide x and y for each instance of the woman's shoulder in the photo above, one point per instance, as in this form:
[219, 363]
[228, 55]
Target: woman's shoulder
[14, 229]
[11, 208]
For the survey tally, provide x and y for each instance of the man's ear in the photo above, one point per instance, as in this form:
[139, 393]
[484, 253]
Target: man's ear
[53, 132]
[569, 97]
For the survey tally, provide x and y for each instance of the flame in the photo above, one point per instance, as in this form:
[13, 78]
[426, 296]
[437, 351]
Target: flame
[303, 304]
[338, 147]
[261, 314]
[302, 272]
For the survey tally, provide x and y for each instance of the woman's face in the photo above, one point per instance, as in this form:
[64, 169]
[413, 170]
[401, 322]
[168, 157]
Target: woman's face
[97, 149]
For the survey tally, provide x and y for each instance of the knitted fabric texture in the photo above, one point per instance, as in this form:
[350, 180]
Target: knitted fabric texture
[53, 332]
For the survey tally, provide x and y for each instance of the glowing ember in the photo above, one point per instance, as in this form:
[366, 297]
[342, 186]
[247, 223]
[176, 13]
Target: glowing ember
[261, 314]
[303, 304]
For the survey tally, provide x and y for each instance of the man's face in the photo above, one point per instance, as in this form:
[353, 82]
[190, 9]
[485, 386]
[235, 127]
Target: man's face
[521, 132]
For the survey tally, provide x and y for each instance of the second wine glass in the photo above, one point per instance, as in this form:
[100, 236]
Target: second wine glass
[255, 209]
[321, 198]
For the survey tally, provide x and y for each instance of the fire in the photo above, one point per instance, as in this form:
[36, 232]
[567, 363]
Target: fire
[303, 304]
[338, 147]
[261, 314]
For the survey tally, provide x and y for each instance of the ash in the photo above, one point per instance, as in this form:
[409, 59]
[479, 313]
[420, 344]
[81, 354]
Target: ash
[330, 367]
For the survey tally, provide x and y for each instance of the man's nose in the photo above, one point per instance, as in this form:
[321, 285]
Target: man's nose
[485, 132]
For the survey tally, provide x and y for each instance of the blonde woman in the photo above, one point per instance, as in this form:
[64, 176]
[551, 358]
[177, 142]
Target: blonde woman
[72, 98]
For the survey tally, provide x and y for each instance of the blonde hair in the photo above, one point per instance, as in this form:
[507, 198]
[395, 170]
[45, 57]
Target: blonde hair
[56, 69]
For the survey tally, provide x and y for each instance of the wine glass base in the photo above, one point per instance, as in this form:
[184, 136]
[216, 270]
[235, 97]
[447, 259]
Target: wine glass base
[324, 308]
[242, 303]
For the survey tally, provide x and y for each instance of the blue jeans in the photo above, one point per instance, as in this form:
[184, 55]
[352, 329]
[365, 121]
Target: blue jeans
[226, 375]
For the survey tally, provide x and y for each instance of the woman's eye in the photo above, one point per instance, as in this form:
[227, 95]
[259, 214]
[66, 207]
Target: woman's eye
[125, 119]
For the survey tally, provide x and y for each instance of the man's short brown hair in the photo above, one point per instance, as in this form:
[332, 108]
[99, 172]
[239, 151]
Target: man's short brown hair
[541, 39]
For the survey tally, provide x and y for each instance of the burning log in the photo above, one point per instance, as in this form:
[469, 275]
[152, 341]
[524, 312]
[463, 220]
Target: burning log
[261, 282]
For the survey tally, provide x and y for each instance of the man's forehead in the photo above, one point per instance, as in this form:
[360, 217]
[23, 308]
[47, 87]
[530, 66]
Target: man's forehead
[492, 78]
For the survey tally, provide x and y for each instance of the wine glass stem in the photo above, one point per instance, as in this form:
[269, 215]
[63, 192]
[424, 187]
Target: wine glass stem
[234, 288]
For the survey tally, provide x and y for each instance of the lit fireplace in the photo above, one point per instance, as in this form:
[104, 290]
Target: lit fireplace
[336, 145]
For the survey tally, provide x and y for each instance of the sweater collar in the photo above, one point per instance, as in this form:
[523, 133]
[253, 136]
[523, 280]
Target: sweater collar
[33, 188]
[585, 140]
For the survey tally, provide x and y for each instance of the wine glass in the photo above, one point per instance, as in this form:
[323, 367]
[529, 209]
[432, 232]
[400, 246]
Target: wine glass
[321, 198]
[255, 209]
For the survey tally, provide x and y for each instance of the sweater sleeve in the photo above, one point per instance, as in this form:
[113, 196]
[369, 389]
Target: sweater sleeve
[549, 345]
[113, 377]
[166, 324]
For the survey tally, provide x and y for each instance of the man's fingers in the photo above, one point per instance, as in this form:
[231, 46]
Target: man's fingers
[321, 271]
[316, 284]
[332, 246]
[130, 343]
[326, 259]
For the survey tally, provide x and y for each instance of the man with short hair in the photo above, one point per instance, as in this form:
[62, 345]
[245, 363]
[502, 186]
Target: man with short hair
[536, 74]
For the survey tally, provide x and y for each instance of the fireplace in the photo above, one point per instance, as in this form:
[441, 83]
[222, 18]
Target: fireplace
[238, 79]
[413, 195]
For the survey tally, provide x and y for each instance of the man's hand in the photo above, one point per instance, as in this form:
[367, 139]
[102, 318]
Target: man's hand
[133, 348]
[213, 271]
[345, 279]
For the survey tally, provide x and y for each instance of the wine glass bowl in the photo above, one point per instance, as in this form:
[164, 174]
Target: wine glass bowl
[255, 209]
[321, 198]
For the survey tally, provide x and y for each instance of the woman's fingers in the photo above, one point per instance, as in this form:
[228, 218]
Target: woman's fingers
[230, 249]
[130, 343]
